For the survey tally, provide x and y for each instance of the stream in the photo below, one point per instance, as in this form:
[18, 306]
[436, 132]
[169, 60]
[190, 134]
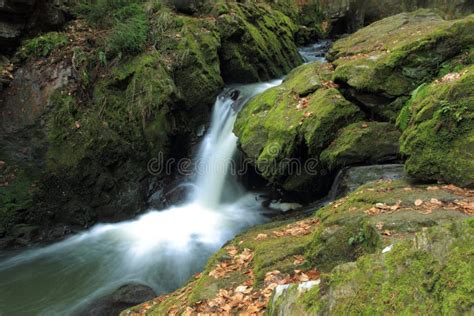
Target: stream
[160, 249]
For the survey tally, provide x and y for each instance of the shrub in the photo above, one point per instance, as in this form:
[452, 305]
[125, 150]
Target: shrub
[126, 21]
[43, 45]
[130, 32]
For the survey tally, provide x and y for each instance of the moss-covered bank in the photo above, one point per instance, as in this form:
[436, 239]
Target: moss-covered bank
[124, 83]
[428, 232]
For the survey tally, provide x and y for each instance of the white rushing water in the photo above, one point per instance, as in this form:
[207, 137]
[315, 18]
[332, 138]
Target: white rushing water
[161, 249]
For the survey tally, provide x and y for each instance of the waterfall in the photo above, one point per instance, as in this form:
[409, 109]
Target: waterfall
[161, 249]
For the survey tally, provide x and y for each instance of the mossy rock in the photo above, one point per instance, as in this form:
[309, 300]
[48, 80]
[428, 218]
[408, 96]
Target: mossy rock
[294, 122]
[430, 273]
[392, 57]
[363, 143]
[257, 43]
[345, 232]
[189, 50]
[439, 130]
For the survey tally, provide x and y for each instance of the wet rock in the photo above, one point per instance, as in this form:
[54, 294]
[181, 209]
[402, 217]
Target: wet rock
[349, 179]
[126, 296]
[28, 96]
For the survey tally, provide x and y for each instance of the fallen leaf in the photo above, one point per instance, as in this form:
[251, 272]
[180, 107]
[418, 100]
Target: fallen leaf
[298, 260]
[261, 237]
[418, 202]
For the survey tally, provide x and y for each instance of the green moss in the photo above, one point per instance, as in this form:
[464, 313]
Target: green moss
[274, 132]
[130, 31]
[429, 276]
[421, 270]
[361, 143]
[395, 55]
[16, 195]
[334, 245]
[196, 68]
[43, 45]
[439, 140]
[128, 114]
[257, 43]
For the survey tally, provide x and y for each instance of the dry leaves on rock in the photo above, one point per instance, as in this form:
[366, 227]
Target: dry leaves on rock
[236, 263]
[384, 208]
[453, 76]
[298, 260]
[302, 104]
[261, 237]
[246, 300]
[330, 85]
[458, 191]
[300, 228]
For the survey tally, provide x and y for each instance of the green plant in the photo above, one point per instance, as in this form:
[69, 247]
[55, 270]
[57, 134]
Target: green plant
[100, 12]
[130, 32]
[125, 20]
[102, 58]
[43, 45]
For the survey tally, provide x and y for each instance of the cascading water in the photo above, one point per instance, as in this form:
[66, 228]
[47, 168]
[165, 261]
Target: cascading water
[161, 249]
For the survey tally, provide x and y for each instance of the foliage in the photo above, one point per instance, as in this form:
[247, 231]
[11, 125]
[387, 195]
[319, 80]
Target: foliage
[43, 45]
[130, 31]
[125, 20]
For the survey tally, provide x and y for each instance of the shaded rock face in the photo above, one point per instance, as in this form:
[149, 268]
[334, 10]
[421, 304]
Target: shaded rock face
[438, 135]
[126, 296]
[347, 16]
[257, 44]
[187, 6]
[362, 143]
[18, 17]
[351, 178]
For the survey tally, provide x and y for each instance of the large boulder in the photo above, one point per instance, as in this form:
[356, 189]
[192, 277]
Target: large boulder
[293, 123]
[381, 64]
[351, 178]
[257, 43]
[346, 16]
[438, 124]
[428, 273]
[126, 296]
